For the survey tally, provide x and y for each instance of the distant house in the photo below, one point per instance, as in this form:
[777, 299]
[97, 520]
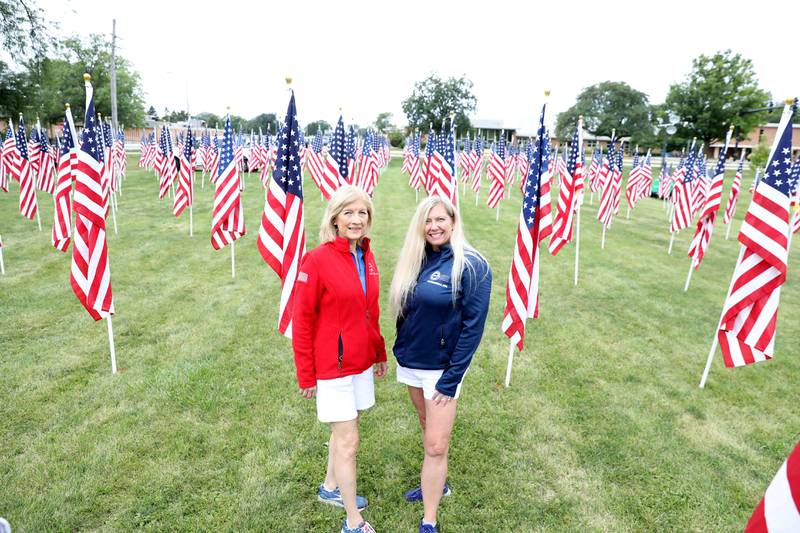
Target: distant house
[768, 131]
[491, 129]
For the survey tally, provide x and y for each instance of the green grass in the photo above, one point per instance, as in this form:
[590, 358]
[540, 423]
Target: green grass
[603, 428]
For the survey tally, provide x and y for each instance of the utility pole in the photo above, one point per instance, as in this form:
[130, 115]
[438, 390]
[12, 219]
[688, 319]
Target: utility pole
[114, 74]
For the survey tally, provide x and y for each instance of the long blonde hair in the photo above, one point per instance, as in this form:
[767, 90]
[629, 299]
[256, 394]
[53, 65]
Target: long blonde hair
[344, 195]
[412, 255]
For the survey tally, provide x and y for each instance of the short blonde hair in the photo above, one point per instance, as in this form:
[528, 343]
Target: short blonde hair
[344, 195]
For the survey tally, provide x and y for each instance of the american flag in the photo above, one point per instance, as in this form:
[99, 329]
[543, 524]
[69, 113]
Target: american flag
[497, 171]
[45, 180]
[7, 157]
[730, 207]
[165, 163]
[430, 145]
[34, 148]
[594, 170]
[750, 312]
[227, 222]
[213, 163]
[682, 214]
[368, 165]
[794, 187]
[635, 176]
[522, 289]
[267, 162]
[184, 194]
[316, 165]
[414, 170]
[477, 166]
[350, 152]
[447, 185]
[568, 195]
[282, 237]
[336, 163]
[68, 160]
[90, 276]
[24, 172]
[779, 509]
[605, 212]
[646, 183]
[705, 224]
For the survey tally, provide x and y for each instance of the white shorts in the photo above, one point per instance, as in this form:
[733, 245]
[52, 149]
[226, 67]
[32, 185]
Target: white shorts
[422, 379]
[340, 399]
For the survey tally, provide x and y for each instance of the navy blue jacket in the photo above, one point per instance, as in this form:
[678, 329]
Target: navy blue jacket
[434, 334]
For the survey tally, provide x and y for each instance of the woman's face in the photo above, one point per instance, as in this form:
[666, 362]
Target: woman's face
[352, 222]
[438, 227]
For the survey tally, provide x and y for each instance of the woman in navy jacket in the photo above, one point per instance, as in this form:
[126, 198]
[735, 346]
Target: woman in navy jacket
[440, 296]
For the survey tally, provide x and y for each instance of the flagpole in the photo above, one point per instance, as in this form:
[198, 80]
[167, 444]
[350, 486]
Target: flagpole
[689, 276]
[603, 239]
[510, 362]
[2, 264]
[111, 345]
[497, 216]
[38, 217]
[671, 240]
[719, 325]
[113, 209]
[728, 231]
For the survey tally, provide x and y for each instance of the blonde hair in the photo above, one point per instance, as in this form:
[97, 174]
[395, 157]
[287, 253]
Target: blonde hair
[412, 255]
[344, 195]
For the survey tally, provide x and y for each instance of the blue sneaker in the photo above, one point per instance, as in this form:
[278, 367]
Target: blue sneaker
[363, 527]
[427, 528]
[334, 497]
[415, 494]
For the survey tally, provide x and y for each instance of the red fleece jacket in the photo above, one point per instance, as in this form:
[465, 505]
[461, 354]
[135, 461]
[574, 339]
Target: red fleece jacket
[335, 329]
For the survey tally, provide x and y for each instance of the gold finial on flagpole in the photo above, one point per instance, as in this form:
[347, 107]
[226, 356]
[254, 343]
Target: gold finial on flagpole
[789, 101]
[547, 92]
[87, 76]
[288, 81]
[66, 106]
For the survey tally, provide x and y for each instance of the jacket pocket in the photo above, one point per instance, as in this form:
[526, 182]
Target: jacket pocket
[341, 351]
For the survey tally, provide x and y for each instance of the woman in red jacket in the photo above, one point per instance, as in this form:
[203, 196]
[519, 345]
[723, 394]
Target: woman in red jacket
[337, 340]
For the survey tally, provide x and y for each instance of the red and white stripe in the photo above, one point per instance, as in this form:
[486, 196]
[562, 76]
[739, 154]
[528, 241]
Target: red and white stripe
[497, 187]
[184, 194]
[90, 275]
[750, 312]
[227, 222]
[730, 207]
[705, 224]
[779, 509]
[567, 203]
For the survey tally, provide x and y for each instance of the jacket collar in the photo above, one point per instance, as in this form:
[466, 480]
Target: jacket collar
[445, 251]
[341, 244]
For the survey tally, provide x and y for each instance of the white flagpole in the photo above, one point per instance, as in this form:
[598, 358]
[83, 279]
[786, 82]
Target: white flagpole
[111, 345]
[603, 239]
[2, 265]
[233, 261]
[113, 209]
[510, 362]
[719, 324]
[689, 276]
[577, 242]
[728, 231]
[671, 240]
[38, 217]
[497, 216]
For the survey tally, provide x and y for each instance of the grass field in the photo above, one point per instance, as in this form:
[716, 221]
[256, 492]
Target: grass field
[603, 428]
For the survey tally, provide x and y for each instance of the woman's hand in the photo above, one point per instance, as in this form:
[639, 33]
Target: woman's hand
[381, 368]
[309, 392]
[441, 399]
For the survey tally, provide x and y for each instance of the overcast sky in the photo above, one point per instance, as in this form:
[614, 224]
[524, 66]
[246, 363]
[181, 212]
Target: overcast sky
[365, 56]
